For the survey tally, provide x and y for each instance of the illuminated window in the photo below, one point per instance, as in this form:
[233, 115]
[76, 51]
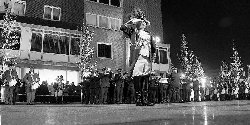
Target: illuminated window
[163, 56]
[104, 50]
[52, 13]
[157, 57]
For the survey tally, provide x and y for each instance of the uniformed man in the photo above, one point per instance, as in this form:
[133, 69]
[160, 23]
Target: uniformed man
[119, 85]
[31, 79]
[105, 84]
[176, 85]
[86, 90]
[130, 94]
[153, 89]
[10, 79]
[196, 89]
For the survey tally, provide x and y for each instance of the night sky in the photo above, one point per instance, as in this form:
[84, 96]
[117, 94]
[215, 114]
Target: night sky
[210, 26]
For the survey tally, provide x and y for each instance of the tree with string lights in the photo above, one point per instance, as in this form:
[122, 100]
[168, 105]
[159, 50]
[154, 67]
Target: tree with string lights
[184, 56]
[236, 67]
[9, 37]
[197, 69]
[224, 75]
[86, 52]
[190, 64]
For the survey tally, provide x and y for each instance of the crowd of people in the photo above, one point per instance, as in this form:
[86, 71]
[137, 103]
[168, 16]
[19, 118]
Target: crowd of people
[224, 91]
[107, 87]
[11, 85]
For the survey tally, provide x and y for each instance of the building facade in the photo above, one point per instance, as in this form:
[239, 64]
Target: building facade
[49, 34]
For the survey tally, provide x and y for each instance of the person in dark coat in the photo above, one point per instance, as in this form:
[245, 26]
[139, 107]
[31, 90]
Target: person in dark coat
[196, 90]
[31, 79]
[105, 84]
[131, 90]
[119, 85]
[176, 85]
[10, 79]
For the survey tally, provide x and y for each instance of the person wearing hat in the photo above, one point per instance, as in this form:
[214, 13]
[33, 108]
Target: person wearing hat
[10, 79]
[142, 50]
[31, 79]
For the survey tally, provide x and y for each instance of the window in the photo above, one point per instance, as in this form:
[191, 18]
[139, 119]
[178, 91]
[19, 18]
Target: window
[103, 22]
[115, 3]
[104, 50]
[64, 44]
[75, 49]
[91, 19]
[36, 42]
[112, 22]
[108, 2]
[104, 1]
[56, 44]
[48, 44]
[19, 8]
[115, 23]
[52, 13]
[163, 56]
[157, 57]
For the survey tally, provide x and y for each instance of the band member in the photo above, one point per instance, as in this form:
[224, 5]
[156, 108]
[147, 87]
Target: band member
[105, 84]
[119, 85]
[31, 79]
[10, 79]
[176, 85]
[142, 48]
[59, 86]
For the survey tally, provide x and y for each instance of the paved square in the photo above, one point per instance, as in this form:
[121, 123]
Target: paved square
[201, 113]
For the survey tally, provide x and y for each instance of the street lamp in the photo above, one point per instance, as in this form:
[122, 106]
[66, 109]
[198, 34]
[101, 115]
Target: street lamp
[203, 81]
[157, 39]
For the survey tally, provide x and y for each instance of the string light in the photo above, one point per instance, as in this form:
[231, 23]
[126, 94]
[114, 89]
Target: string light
[86, 52]
[190, 63]
[10, 38]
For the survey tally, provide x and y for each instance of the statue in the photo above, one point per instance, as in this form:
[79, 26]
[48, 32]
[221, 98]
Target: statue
[142, 51]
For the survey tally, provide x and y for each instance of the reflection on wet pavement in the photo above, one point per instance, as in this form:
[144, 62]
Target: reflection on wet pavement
[195, 113]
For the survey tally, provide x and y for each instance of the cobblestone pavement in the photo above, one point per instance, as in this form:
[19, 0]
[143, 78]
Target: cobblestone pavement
[193, 113]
